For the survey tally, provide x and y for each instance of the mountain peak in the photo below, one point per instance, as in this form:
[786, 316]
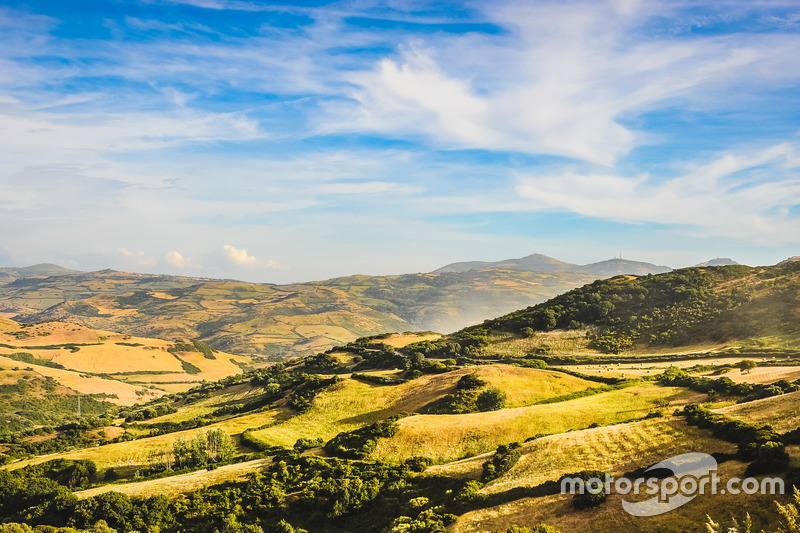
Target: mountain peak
[41, 269]
[719, 261]
[618, 266]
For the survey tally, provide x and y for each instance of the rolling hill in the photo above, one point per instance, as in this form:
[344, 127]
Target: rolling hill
[736, 305]
[276, 321]
[45, 367]
[390, 432]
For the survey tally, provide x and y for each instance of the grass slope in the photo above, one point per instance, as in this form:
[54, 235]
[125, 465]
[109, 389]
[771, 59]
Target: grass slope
[446, 438]
[351, 404]
[182, 483]
[780, 412]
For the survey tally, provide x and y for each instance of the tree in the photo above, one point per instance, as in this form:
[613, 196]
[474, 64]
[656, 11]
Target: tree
[746, 365]
[219, 446]
[491, 399]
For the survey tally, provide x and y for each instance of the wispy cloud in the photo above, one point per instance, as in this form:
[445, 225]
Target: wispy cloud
[435, 124]
[749, 196]
[563, 82]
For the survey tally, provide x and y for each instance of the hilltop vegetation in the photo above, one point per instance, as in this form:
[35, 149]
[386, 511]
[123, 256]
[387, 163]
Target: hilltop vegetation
[710, 306]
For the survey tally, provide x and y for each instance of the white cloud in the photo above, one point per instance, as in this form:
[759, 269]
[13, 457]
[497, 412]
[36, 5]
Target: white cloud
[731, 196]
[560, 83]
[177, 260]
[238, 256]
[275, 265]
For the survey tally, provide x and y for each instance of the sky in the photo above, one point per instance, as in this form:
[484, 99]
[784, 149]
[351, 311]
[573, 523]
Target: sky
[303, 140]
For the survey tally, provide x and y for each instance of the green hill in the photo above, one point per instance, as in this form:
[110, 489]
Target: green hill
[693, 306]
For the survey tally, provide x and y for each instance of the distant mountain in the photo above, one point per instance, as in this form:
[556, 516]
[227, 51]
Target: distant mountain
[617, 267]
[718, 262]
[43, 269]
[790, 260]
[543, 263]
[532, 263]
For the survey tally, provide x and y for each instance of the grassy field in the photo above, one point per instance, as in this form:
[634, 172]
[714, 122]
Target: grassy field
[780, 412]
[129, 456]
[558, 512]
[352, 404]
[181, 483]
[634, 370]
[764, 374]
[126, 394]
[616, 449]
[445, 438]
[138, 368]
[240, 393]
[399, 340]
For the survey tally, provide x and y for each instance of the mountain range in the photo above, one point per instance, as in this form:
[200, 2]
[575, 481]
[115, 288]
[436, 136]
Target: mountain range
[542, 263]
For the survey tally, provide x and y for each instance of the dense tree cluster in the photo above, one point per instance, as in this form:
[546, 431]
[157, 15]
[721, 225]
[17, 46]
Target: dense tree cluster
[678, 307]
[760, 444]
[359, 443]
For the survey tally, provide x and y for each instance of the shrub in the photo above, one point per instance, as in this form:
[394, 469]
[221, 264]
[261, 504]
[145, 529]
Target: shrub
[492, 399]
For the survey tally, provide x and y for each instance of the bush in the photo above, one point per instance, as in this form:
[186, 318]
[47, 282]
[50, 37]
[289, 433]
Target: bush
[501, 462]
[469, 382]
[361, 442]
[492, 399]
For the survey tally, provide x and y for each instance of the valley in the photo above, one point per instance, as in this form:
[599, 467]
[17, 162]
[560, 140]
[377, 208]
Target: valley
[469, 431]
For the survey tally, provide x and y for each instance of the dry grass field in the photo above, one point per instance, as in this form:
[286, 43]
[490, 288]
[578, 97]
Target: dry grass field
[134, 363]
[130, 456]
[399, 340]
[764, 374]
[616, 449]
[126, 394]
[181, 483]
[780, 412]
[558, 512]
[351, 404]
[445, 438]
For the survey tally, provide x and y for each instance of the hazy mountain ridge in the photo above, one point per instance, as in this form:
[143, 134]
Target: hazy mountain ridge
[543, 263]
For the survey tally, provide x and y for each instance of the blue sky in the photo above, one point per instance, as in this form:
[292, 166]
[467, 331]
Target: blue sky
[291, 141]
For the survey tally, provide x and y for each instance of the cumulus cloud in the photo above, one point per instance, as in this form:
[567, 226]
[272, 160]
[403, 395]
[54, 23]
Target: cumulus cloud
[240, 257]
[177, 260]
[274, 265]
